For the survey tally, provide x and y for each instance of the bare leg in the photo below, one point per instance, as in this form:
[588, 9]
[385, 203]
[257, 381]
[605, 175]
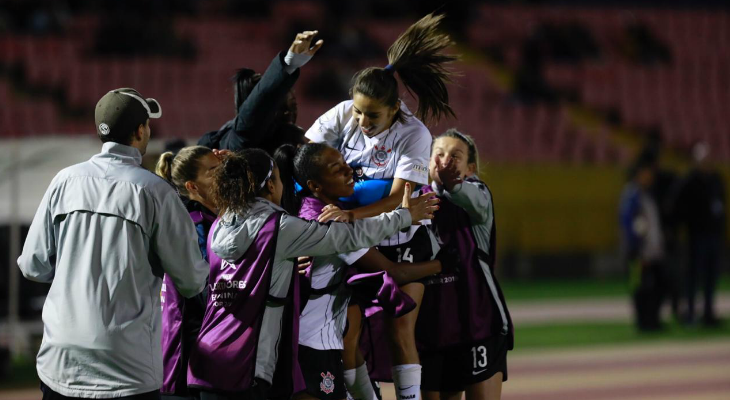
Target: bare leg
[491, 389]
[401, 331]
[451, 395]
[403, 353]
[356, 376]
[430, 395]
[351, 356]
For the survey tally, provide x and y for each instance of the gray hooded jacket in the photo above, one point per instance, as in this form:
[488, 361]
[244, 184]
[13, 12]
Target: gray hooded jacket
[297, 237]
[104, 234]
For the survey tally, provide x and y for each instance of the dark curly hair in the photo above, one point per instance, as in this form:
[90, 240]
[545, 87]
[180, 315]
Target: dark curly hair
[240, 178]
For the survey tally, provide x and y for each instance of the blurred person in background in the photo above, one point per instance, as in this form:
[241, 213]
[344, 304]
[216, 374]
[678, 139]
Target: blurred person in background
[266, 108]
[105, 233]
[700, 205]
[662, 190]
[643, 244]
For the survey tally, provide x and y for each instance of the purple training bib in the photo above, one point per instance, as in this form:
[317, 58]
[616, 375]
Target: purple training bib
[459, 308]
[224, 356]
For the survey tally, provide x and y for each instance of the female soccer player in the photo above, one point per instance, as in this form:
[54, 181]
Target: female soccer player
[383, 141]
[324, 177]
[248, 339]
[190, 171]
[464, 350]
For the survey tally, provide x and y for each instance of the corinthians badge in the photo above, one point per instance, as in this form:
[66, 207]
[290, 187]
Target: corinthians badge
[380, 155]
[328, 383]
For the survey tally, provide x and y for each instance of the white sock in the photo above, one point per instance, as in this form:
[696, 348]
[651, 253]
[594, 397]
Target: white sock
[407, 381]
[358, 383]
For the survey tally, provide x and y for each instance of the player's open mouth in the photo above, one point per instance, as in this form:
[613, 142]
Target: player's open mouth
[367, 131]
[351, 182]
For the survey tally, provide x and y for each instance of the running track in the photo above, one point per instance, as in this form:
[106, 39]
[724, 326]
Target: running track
[664, 370]
[693, 370]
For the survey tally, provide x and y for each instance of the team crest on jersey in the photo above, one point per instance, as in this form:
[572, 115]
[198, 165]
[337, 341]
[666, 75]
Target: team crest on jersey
[380, 155]
[328, 383]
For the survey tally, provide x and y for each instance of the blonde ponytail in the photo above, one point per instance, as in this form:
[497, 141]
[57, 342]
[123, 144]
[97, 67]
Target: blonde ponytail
[180, 168]
[164, 166]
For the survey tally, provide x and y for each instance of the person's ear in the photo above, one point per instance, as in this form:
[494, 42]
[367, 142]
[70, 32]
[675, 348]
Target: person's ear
[139, 133]
[471, 169]
[270, 186]
[395, 109]
[313, 186]
[191, 187]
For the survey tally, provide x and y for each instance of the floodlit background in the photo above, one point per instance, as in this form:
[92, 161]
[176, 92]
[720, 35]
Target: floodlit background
[561, 97]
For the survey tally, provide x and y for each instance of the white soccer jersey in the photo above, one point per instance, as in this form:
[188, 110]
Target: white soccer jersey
[403, 151]
[323, 319]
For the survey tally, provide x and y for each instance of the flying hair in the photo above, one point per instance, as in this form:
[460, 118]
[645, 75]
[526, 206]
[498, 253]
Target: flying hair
[419, 59]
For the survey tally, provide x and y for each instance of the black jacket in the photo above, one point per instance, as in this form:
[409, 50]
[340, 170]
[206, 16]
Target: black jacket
[700, 202]
[256, 118]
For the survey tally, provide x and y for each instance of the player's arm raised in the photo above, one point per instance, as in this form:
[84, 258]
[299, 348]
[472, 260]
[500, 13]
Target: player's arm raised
[259, 109]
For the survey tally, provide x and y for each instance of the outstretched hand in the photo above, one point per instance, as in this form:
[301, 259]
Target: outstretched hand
[303, 43]
[421, 207]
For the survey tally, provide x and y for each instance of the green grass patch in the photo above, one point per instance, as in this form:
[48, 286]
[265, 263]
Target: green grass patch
[606, 333]
[518, 291]
[724, 284]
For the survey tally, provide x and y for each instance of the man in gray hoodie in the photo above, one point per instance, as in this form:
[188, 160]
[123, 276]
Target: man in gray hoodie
[104, 234]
